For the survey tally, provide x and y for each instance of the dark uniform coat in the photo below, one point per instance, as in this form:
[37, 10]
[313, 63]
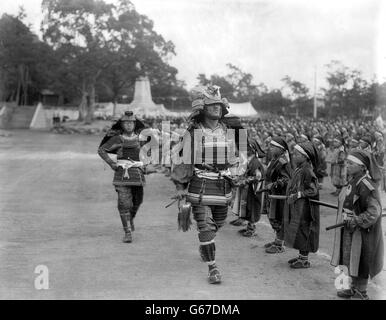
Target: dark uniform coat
[278, 173]
[301, 218]
[360, 245]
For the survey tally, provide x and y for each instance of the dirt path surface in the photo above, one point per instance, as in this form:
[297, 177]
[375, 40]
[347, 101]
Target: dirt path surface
[58, 209]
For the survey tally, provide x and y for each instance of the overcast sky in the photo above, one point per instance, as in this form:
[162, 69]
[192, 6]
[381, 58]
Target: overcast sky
[269, 39]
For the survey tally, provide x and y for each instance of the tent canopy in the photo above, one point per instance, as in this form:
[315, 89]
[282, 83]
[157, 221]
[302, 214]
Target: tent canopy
[244, 109]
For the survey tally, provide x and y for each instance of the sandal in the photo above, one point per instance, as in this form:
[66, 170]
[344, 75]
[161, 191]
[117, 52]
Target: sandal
[238, 222]
[275, 249]
[214, 276]
[300, 264]
[234, 221]
[347, 294]
[267, 245]
[127, 238]
[359, 295]
[249, 233]
[292, 260]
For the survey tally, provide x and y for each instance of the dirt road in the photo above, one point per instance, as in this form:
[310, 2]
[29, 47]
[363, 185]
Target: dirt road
[58, 209]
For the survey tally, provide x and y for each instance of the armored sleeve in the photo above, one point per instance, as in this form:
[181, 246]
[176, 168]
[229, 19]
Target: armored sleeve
[181, 172]
[110, 146]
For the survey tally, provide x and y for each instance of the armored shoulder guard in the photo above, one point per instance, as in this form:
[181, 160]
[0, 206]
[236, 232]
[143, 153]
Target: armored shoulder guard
[192, 125]
[109, 134]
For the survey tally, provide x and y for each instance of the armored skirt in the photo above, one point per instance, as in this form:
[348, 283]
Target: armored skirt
[130, 170]
[129, 178]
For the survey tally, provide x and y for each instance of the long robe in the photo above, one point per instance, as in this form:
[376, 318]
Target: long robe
[278, 173]
[361, 248]
[301, 218]
[247, 203]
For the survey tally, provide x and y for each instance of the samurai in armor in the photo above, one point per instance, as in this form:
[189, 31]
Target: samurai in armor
[208, 161]
[301, 217]
[123, 140]
[277, 176]
[359, 244]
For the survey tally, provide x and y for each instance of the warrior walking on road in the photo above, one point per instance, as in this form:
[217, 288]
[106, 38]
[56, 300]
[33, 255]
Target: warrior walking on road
[123, 140]
[203, 175]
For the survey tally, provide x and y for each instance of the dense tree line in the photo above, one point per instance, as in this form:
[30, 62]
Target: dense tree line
[91, 50]
[347, 93]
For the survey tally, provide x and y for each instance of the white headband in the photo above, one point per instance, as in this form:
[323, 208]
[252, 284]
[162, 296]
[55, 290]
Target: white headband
[301, 150]
[355, 160]
[304, 136]
[276, 144]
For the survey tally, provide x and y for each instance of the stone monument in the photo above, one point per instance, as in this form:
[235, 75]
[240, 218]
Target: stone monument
[142, 103]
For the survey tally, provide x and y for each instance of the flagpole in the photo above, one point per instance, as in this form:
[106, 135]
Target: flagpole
[315, 107]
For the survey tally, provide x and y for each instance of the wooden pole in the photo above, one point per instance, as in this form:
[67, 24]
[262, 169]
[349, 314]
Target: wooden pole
[315, 106]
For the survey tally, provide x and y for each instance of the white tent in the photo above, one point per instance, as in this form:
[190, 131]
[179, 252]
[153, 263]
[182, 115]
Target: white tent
[244, 109]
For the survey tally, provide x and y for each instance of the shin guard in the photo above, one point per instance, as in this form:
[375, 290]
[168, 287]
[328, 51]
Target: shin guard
[208, 251]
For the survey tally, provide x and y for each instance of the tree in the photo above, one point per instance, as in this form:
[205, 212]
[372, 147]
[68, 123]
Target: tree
[337, 78]
[92, 36]
[75, 30]
[236, 85]
[298, 95]
[348, 92]
[244, 90]
[114, 80]
[20, 51]
[270, 101]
